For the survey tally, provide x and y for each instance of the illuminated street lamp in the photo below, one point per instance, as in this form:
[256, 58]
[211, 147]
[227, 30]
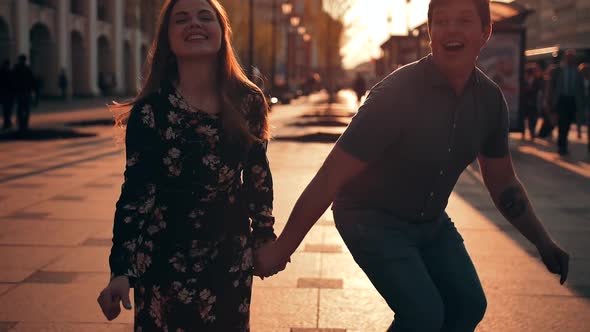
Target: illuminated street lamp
[287, 8]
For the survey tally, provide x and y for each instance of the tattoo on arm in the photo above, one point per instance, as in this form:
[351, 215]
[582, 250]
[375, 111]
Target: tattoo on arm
[512, 202]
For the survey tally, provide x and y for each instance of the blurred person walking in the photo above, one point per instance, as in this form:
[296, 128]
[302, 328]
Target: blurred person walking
[531, 91]
[6, 94]
[23, 83]
[62, 82]
[360, 87]
[565, 97]
[584, 69]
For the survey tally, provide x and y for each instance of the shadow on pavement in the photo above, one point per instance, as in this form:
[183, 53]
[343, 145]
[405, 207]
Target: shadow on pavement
[42, 135]
[544, 181]
[90, 123]
[329, 115]
[310, 138]
[551, 146]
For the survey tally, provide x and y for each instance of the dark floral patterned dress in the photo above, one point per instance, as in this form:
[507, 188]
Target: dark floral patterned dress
[191, 210]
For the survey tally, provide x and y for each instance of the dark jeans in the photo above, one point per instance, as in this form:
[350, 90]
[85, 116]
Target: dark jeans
[422, 271]
[546, 127]
[566, 114]
[23, 111]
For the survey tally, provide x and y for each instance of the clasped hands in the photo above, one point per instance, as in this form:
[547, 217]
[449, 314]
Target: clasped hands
[269, 260]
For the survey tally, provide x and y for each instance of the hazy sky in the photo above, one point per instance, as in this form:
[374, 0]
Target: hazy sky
[370, 28]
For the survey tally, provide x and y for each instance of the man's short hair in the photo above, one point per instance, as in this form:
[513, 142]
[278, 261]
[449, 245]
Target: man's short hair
[482, 7]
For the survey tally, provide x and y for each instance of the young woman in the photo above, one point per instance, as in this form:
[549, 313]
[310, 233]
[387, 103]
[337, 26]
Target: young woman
[196, 175]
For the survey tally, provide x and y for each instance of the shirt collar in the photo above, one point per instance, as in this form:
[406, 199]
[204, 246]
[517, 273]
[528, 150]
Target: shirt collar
[438, 79]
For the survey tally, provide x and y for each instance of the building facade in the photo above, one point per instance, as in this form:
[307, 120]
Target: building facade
[294, 57]
[557, 23]
[99, 44]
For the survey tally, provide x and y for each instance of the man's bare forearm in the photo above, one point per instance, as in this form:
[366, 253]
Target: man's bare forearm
[513, 202]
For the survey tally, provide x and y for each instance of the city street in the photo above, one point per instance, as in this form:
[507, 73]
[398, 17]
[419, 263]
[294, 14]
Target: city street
[57, 199]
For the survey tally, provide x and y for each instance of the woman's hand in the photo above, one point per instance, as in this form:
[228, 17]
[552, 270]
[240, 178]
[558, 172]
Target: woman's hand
[117, 291]
[269, 260]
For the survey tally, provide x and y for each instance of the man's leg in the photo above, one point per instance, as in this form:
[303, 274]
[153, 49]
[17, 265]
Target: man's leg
[23, 109]
[533, 117]
[454, 275]
[7, 110]
[387, 253]
[563, 122]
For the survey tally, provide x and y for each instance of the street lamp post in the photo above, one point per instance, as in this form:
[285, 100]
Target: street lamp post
[250, 69]
[287, 9]
[292, 47]
[273, 47]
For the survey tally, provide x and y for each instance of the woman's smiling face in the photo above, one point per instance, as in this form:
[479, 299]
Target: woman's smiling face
[194, 29]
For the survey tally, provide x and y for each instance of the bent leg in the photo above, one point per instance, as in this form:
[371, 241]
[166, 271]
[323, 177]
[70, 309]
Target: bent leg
[384, 249]
[455, 276]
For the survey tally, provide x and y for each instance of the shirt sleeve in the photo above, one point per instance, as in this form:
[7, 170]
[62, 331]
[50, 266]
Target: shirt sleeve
[258, 182]
[136, 202]
[496, 144]
[377, 124]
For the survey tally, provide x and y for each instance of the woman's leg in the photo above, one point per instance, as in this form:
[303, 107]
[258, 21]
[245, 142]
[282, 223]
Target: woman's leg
[387, 251]
[455, 276]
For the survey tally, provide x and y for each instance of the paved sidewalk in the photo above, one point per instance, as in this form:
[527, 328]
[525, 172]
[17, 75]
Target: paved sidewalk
[57, 201]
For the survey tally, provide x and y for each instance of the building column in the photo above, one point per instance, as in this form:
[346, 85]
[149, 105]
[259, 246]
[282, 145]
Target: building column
[136, 51]
[118, 31]
[92, 48]
[63, 42]
[23, 42]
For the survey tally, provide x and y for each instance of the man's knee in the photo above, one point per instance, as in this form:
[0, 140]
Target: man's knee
[467, 314]
[428, 317]
[475, 308]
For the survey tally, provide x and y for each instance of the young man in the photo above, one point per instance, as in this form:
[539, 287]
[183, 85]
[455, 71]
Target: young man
[390, 183]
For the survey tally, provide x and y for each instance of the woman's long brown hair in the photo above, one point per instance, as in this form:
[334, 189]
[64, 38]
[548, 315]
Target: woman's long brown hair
[233, 83]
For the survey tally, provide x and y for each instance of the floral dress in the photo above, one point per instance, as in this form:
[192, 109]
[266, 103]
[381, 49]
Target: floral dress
[191, 210]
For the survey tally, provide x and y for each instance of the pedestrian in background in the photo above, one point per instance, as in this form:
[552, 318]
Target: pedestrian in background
[584, 69]
[62, 82]
[6, 94]
[198, 193]
[360, 87]
[390, 182]
[549, 118]
[532, 87]
[565, 97]
[23, 83]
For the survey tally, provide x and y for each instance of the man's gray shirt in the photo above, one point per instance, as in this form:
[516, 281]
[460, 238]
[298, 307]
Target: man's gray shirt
[418, 136]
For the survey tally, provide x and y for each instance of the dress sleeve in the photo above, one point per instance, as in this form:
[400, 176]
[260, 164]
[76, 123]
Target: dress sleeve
[258, 180]
[136, 202]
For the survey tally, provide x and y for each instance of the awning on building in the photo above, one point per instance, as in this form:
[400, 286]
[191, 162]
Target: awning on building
[503, 11]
